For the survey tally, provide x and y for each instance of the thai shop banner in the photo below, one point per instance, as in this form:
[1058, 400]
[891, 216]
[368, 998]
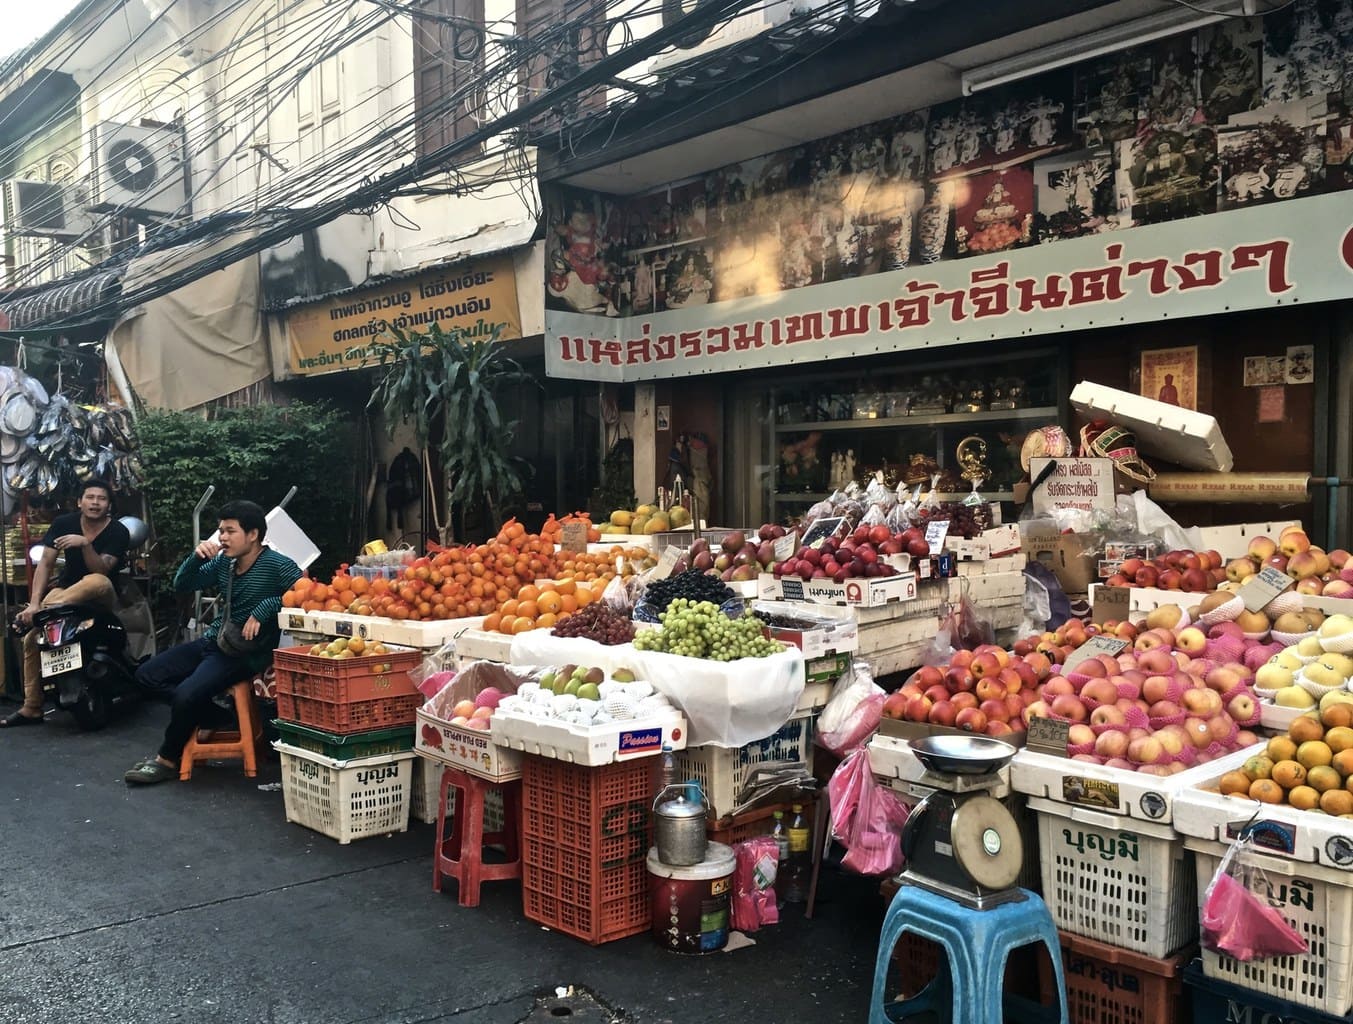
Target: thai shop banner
[477, 299]
[1262, 256]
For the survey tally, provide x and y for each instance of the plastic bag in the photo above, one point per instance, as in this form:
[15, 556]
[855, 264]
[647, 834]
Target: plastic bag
[754, 870]
[853, 711]
[866, 818]
[435, 671]
[1238, 922]
[874, 517]
[1153, 520]
[966, 630]
[624, 592]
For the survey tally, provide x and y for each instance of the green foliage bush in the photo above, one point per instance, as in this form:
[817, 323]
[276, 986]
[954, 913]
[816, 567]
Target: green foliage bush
[256, 453]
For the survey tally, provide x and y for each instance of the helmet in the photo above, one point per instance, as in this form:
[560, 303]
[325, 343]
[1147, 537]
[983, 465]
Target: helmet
[137, 528]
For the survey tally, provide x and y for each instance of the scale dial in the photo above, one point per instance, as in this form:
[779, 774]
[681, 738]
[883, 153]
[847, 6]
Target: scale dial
[987, 843]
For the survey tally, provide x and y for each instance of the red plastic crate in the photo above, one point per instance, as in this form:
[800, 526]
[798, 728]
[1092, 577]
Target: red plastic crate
[585, 836]
[338, 680]
[349, 716]
[1110, 985]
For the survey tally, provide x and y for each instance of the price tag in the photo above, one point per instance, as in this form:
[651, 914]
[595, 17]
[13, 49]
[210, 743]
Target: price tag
[573, 537]
[1260, 590]
[1048, 736]
[786, 546]
[821, 530]
[935, 532]
[668, 561]
[1110, 645]
[1111, 604]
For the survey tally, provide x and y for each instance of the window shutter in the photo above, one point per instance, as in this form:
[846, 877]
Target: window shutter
[563, 58]
[447, 58]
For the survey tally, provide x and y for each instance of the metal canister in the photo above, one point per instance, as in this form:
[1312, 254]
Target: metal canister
[679, 828]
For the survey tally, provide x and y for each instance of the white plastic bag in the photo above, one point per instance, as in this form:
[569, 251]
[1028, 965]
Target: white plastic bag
[1152, 519]
[853, 712]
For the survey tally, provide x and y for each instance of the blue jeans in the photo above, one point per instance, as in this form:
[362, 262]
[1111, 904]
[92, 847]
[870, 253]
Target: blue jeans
[190, 675]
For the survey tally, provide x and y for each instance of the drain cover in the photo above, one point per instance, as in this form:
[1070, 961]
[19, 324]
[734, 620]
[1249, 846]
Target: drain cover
[578, 1006]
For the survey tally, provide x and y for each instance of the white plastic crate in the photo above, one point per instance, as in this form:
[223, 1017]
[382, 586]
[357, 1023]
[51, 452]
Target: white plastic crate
[347, 800]
[427, 779]
[721, 771]
[1318, 902]
[1118, 880]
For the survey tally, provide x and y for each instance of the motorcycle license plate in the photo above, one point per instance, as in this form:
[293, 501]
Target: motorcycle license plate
[60, 660]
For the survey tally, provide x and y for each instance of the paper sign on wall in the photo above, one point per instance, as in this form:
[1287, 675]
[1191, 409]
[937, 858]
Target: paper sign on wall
[1082, 484]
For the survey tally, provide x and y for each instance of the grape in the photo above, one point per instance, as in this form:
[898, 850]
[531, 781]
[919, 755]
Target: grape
[697, 629]
[599, 622]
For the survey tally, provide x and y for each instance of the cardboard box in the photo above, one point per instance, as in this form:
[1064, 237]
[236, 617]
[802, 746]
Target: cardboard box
[1066, 554]
[470, 749]
[837, 630]
[1003, 540]
[862, 593]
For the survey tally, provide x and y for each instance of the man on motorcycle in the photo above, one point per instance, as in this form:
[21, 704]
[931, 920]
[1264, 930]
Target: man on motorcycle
[238, 642]
[95, 546]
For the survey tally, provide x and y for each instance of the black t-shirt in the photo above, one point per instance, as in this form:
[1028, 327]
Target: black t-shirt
[114, 540]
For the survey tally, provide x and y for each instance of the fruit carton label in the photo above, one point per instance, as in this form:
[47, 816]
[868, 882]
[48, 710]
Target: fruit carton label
[470, 749]
[865, 593]
[1272, 836]
[638, 741]
[1097, 793]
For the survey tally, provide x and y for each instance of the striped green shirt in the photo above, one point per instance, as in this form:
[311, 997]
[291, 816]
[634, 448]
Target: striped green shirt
[258, 592]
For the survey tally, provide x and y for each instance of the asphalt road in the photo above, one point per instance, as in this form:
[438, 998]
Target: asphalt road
[197, 901]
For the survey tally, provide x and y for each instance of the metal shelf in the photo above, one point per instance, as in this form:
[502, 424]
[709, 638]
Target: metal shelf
[929, 420]
[791, 497]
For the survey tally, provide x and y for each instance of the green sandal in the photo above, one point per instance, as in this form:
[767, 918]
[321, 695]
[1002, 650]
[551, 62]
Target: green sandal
[147, 773]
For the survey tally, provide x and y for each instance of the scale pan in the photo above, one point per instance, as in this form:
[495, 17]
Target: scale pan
[962, 755]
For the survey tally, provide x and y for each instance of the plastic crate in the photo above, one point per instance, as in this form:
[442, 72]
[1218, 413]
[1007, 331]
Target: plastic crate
[917, 960]
[347, 800]
[1318, 902]
[427, 780]
[585, 840]
[1216, 1002]
[721, 771]
[340, 680]
[1109, 985]
[347, 717]
[758, 821]
[1116, 879]
[344, 748]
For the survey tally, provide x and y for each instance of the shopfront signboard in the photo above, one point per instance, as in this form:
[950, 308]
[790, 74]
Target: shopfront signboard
[1255, 257]
[478, 299]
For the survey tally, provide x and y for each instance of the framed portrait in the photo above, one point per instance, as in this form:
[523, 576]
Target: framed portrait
[1170, 375]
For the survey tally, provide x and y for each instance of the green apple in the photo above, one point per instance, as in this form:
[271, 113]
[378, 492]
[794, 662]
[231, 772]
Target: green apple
[547, 681]
[1309, 647]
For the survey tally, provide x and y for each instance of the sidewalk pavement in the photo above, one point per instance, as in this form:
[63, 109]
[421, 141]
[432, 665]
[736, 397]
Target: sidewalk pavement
[197, 901]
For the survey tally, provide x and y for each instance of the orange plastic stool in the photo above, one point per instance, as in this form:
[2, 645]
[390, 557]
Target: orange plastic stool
[227, 744]
[461, 854]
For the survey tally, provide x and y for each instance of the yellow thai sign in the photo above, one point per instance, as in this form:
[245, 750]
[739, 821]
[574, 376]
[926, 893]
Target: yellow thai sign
[477, 299]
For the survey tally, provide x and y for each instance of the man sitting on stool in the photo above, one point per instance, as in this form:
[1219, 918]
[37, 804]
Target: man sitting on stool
[95, 545]
[239, 641]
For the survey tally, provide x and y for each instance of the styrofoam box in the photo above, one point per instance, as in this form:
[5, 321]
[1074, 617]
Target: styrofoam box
[865, 593]
[1116, 791]
[1318, 902]
[589, 745]
[1116, 879]
[993, 566]
[987, 589]
[1182, 436]
[1276, 718]
[1147, 599]
[814, 697]
[625, 540]
[1283, 830]
[473, 750]
[477, 645]
[425, 635]
[891, 757]
[347, 800]
[722, 771]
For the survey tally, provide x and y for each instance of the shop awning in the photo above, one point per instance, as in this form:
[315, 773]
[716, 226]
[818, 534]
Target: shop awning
[63, 304]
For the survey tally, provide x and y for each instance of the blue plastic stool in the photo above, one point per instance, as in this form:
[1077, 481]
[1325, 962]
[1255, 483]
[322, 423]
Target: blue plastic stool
[976, 944]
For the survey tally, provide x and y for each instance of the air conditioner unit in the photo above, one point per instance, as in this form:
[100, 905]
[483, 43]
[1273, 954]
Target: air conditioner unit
[138, 170]
[45, 208]
[738, 29]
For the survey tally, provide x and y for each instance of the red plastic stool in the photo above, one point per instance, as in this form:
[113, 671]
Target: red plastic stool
[227, 744]
[461, 854]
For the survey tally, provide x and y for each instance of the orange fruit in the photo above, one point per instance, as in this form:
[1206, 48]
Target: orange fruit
[528, 593]
[1266, 791]
[291, 599]
[1336, 801]
[1258, 767]
[509, 609]
[1313, 753]
[1343, 763]
[527, 609]
[491, 623]
[1303, 798]
[1289, 774]
[521, 624]
[549, 602]
[1339, 715]
[1281, 748]
[583, 596]
[1340, 737]
[1323, 778]
[1234, 783]
[1305, 727]
[548, 619]
[568, 604]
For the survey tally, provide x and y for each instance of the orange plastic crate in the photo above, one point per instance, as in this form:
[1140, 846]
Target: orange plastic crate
[1110, 985]
[732, 829]
[344, 717]
[338, 680]
[585, 836]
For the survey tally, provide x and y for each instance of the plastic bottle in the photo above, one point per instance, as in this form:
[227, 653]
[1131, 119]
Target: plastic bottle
[798, 871]
[780, 834]
[666, 769]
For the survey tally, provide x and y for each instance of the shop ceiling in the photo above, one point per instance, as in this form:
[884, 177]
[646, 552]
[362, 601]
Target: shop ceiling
[646, 159]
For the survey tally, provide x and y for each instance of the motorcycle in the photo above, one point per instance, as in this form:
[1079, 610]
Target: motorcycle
[84, 658]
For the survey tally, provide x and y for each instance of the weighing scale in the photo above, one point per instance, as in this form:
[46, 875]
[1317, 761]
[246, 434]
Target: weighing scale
[959, 841]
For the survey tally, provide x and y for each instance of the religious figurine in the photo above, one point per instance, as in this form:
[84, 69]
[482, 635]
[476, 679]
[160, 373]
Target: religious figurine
[972, 456]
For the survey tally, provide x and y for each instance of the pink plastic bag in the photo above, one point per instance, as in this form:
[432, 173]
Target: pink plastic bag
[754, 870]
[1236, 921]
[866, 818]
[853, 712]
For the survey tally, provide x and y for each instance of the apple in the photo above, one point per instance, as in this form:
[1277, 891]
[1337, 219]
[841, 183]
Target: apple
[1146, 750]
[1107, 714]
[895, 704]
[1293, 541]
[1080, 736]
[1101, 691]
[990, 689]
[1338, 588]
[1163, 709]
[1241, 708]
[999, 729]
[971, 720]
[1195, 581]
[1240, 569]
[1303, 565]
[994, 710]
[463, 709]
[1038, 709]
[984, 665]
[1202, 703]
[943, 713]
[1070, 707]
[1261, 549]
[1191, 639]
[1338, 558]
[1198, 732]
[964, 699]
[1173, 579]
[1111, 744]
[918, 709]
